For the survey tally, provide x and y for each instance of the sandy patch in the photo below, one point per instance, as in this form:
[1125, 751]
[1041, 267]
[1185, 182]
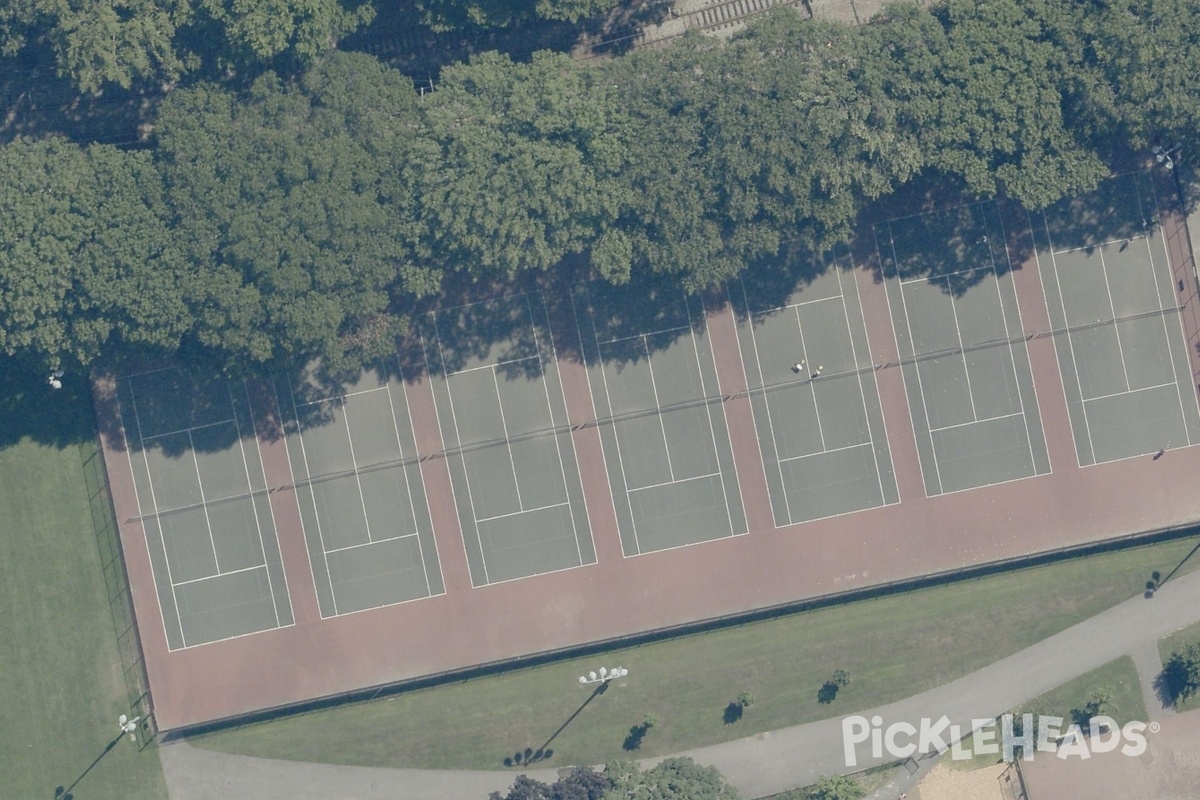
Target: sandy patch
[943, 783]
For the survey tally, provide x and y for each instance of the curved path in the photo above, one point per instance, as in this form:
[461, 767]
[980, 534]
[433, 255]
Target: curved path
[758, 765]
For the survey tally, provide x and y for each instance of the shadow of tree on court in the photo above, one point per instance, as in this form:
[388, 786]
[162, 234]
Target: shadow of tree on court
[1121, 207]
[32, 409]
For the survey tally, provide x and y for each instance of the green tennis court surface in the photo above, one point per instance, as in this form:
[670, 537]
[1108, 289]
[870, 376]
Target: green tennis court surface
[1112, 303]
[959, 334]
[201, 494]
[822, 438]
[503, 421]
[358, 484]
[664, 433]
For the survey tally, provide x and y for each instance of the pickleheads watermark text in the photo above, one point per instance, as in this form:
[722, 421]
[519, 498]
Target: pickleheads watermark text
[1029, 734]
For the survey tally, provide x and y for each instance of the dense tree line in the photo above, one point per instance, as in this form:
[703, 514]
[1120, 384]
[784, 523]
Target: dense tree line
[304, 217]
[672, 779]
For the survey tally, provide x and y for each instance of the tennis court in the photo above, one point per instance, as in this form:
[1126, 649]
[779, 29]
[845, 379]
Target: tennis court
[962, 347]
[1113, 304]
[202, 501]
[502, 415]
[359, 488]
[661, 418]
[820, 428]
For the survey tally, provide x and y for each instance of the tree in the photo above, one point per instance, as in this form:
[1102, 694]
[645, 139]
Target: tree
[837, 787]
[307, 28]
[581, 783]
[672, 779]
[1181, 674]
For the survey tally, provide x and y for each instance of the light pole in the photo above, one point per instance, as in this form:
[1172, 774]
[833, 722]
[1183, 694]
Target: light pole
[129, 726]
[1164, 156]
[605, 676]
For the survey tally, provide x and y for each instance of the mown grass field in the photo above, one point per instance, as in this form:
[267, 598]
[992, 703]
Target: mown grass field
[891, 647]
[62, 683]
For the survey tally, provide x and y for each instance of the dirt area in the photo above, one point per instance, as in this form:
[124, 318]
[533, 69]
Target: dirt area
[944, 783]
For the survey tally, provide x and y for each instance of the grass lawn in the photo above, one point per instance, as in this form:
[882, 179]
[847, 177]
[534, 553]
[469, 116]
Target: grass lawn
[891, 647]
[63, 682]
[1177, 641]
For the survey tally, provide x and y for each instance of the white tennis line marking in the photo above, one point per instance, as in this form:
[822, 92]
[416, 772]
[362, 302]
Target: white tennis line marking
[270, 509]
[1138, 238]
[184, 430]
[595, 415]
[862, 391]
[1070, 344]
[826, 452]
[1012, 354]
[1131, 391]
[787, 504]
[462, 456]
[716, 474]
[808, 302]
[917, 369]
[942, 275]
[507, 441]
[157, 524]
[562, 466]
[204, 504]
[312, 493]
[1116, 329]
[639, 335]
[708, 412]
[812, 384]
[342, 396]
[375, 542]
[145, 372]
[976, 422]
[230, 572]
[962, 350]
[525, 511]
[1166, 333]
[354, 462]
[412, 503]
[616, 436]
[493, 366]
[662, 425]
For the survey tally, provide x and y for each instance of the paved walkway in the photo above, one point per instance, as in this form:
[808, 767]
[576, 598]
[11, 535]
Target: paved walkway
[757, 766]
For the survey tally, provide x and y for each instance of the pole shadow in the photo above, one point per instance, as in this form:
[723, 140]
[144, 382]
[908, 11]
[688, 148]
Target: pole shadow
[530, 755]
[65, 794]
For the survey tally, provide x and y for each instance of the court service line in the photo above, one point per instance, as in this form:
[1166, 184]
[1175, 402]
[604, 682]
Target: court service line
[916, 368]
[375, 542]
[262, 548]
[762, 382]
[312, 493]
[834, 450]
[1166, 332]
[978, 422]
[708, 412]
[862, 392]
[157, 519]
[331, 398]
[962, 348]
[615, 429]
[230, 572]
[940, 276]
[491, 366]
[204, 504]
[812, 382]
[1138, 238]
[808, 302]
[562, 466]
[1062, 301]
[463, 455]
[183, 430]
[716, 474]
[507, 441]
[1129, 392]
[412, 504]
[525, 511]
[354, 461]
[1116, 330]
[642, 335]
[662, 425]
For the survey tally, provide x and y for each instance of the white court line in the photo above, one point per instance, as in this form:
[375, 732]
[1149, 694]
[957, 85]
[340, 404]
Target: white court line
[354, 461]
[962, 350]
[182, 430]
[812, 388]
[379, 541]
[270, 509]
[262, 548]
[806, 302]
[787, 504]
[935, 212]
[230, 572]
[708, 411]
[492, 367]
[976, 422]
[716, 474]
[562, 466]
[331, 398]
[412, 504]
[940, 276]
[639, 335]
[1130, 391]
[462, 456]
[826, 452]
[204, 504]
[1116, 330]
[916, 368]
[312, 492]
[862, 392]
[1163, 317]
[1070, 344]
[153, 371]
[1139, 238]
[525, 511]
[616, 434]
[662, 425]
[157, 521]
[507, 441]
